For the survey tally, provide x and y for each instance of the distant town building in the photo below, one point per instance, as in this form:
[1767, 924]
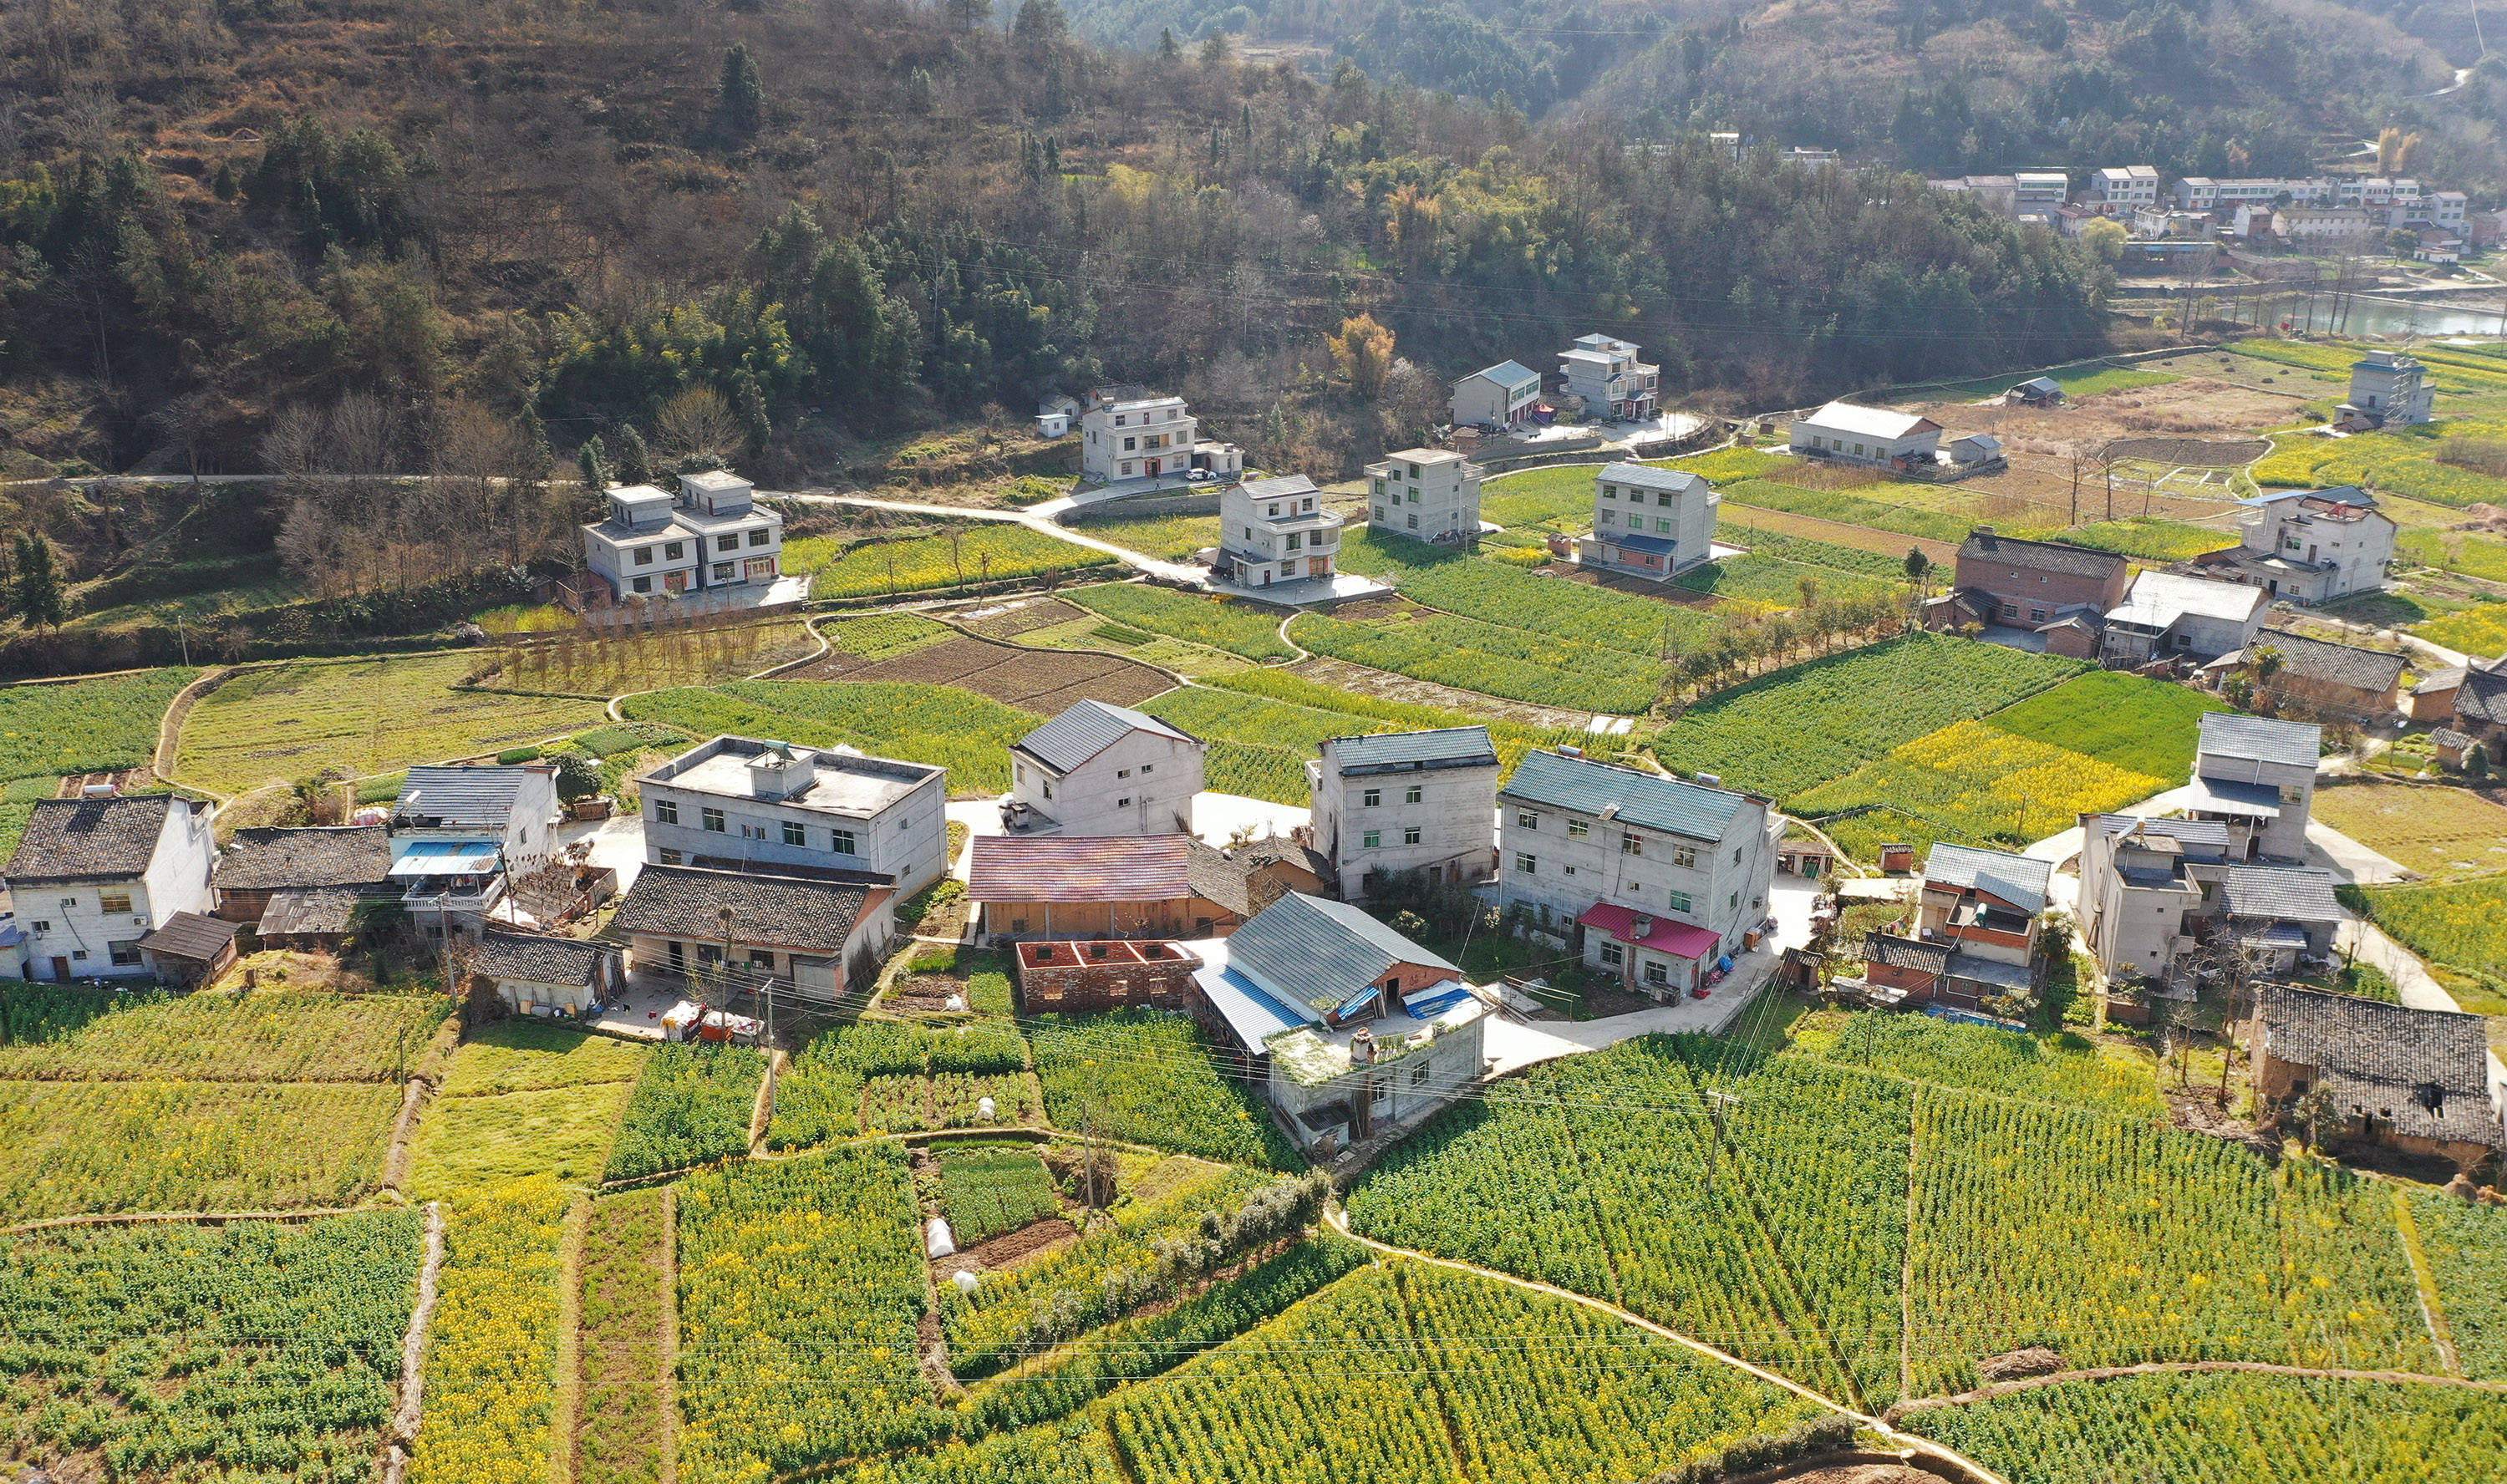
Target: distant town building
[2311, 545]
[1130, 432]
[1651, 522]
[2120, 189]
[2389, 388]
[1430, 495]
[711, 534]
[1606, 373]
[2037, 193]
[1871, 435]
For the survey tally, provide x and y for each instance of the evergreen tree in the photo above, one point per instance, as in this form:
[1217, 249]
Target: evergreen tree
[593, 460]
[968, 14]
[1917, 564]
[635, 461]
[1040, 24]
[38, 592]
[1215, 50]
[224, 183]
[741, 94]
[1168, 51]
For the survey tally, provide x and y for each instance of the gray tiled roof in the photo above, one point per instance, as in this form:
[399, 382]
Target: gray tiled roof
[2482, 698]
[311, 910]
[92, 837]
[1088, 728]
[2300, 893]
[2437, 681]
[1508, 373]
[2194, 832]
[538, 958]
[2449, 736]
[2233, 734]
[782, 911]
[1219, 877]
[462, 797]
[2387, 1058]
[1320, 951]
[1888, 948]
[1279, 487]
[2306, 659]
[1647, 477]
[332, 855]
[2057, 557]
[191, 935]
[2015, 878]
[1588, 788]
[1402, 751]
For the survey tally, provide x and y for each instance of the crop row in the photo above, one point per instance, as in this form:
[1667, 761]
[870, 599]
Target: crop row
[967, 734]
[1974, 785]
[1494, 592]
[2462, 924]
[1560, 667]
[490, 1362]
[1220, 623]
[987, 1190]
[2063, 1070]
[74, 1031]
[994, 551]
[801, 1282]
[621, 1429]
[691, 1105]
[2133, 723]
[820, 1095]
[85, 726]
[182, 1352]
[1148, 1076]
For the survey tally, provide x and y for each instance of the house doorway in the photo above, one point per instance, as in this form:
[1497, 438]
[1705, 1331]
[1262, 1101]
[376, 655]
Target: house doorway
[60, 970]
[1152, 467]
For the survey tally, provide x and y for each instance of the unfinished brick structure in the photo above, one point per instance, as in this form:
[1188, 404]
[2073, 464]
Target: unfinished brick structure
[1089, 975]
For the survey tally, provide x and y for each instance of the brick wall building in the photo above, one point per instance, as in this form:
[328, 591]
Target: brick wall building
[1106, 976]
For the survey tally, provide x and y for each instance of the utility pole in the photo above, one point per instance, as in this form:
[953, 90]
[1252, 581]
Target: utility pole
[723, 972]
[1716, 1101]
[2075, 489]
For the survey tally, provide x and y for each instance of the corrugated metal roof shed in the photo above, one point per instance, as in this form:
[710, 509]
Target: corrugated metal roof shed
[464, 798]
[1404, 751]
[2015, 878]
[1319, 953]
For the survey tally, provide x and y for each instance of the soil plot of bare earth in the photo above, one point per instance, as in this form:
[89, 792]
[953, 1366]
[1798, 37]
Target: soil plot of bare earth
[2198, 406]
[1043, 681]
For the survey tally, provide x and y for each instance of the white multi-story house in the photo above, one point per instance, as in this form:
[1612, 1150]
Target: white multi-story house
[1664, 876]
[2391, 388]
[1606, 373]
[1099, 770]
[1871, 435]
[1396, 802]
[92, 877]
[2120, 189]
[746, 804]
[2037, 193]
[2170, 613]
[1130, 432]
[1503, 394]
[1651, 522]
[461, 836]
[2256, 777]
[1277, 531]
[1430, 494]
[2308, 545]
[2378, 190]
[713, 534]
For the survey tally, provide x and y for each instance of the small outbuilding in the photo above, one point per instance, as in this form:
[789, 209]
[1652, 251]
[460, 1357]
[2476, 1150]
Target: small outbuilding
[2412, 1080]
[547, 977]
[2036, 392]
[190, 948]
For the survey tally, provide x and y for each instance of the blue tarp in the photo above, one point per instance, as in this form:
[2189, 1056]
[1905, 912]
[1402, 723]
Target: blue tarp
[1427, 1005]
[1361, 1003]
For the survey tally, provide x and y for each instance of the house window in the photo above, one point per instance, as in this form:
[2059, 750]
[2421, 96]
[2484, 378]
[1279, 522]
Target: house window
[1414, 525]
[2009, 610]
[1122, 773]
[1684, 856]
[793, 834]
[1577, 829]
[1124, 802]
[1526, 863]
[1657, 973]
[730, 543]
[42, 926]
[1610, 491]
[1148, 768]
[1018, 925]
[1419, 1076]
[643, 556]
[665, 810]
[78, 955]
[1411, 795]
[762, 958]
[1632, 888]
[1295, 540]
[643, 584]
[842, 842]
[1528, 819]
[713, 819]
[1130, 443]
[1372, 797]
[722, 572]
[2036, 615]
[672, 551]
[669, 858]
[111, 903]
[1380, 511]
[1127, 466]
[1613, 955]
[1736, 856]
[1371, 839]
[1631, 844]
[1680, 903]
[760, 537]
[1410, 835]
[1610, 517]
[1662, 524]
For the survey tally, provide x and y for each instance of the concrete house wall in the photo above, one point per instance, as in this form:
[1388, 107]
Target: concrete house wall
[1452, 811]
[1141, 785]
[1578, 859]
[66, 920]
[1429, 493]
[906, 839]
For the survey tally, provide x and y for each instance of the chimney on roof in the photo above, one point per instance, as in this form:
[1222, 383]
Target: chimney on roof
[1985, 531]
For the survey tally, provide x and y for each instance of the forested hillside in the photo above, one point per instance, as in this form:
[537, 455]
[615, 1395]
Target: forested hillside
[2210, 87]
[369, 235]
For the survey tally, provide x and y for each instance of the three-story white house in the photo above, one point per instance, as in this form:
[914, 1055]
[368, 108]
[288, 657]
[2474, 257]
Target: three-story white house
[711, 534]
[1101, 770]
[1130, 432]
[1651, 522]
[1277, 531]
[1395, 801]
[1606, 373]
[1659, 877]
[745, 803]
[1432, 494]
[92, 877]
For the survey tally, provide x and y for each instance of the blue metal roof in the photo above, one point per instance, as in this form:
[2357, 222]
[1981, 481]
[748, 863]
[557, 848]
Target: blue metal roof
[1391, 752]
[1319, 953]
[1588, 787]
[1659, 545]
[1253, 1014]
[1089, 728]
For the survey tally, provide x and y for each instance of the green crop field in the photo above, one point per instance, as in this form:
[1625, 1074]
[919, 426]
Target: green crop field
[1220, 623]
[2085, 379]
[1264, 726]
[2150, 538]
[1146, 1075]
[967, 734]
[2444, 833]
[524, 1100]
[278, 725]
[1972, 784]
[69, 1031]
[2480, 630]
[2471, 553]
[1768, 581]
[2061, 1069]
[490, 1362]
[2462, 924]
[1799, 727]
[1541, 666]
[1496, 593]
[988, 1189]
[691, 1105]
[2136, 724]
[178, 1351]
[2410, 462]
[85, 726]
[1869, 509]
[1169, 538]
[607, 663]
[986, 551]
[68, 1148]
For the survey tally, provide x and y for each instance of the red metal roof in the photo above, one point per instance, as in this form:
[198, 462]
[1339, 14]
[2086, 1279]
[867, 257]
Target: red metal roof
[1049, 868]
[1662, 934]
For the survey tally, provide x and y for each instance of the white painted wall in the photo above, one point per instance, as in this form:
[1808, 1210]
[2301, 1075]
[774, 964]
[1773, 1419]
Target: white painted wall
[1138, 786]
